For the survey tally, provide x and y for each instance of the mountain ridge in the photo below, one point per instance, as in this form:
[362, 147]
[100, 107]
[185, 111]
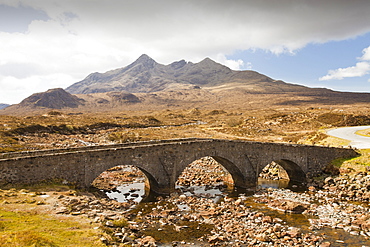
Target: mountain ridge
[148, 85]
[145, 75]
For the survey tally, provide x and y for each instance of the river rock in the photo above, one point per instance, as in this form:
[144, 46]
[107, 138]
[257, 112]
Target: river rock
[294, 232]
[329, 180]
[366, 225]
[288, 206]
[263, 237]
[147, 241]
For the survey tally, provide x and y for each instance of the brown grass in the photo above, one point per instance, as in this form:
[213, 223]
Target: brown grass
[60, 129]
[25, 220]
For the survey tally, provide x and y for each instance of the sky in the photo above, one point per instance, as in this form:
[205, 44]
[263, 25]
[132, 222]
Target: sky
[48, 44]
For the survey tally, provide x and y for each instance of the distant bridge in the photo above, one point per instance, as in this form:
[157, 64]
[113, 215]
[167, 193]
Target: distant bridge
[163, 161]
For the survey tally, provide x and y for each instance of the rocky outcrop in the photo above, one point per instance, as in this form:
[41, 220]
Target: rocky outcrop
[123, 97]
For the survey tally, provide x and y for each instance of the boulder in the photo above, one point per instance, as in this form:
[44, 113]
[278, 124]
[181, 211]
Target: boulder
[289, 206]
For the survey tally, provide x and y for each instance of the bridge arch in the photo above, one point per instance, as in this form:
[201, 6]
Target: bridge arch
[153, 183]
[234, 171]
[294, 171]
[126, 177]
[149, 167]
[236, 174]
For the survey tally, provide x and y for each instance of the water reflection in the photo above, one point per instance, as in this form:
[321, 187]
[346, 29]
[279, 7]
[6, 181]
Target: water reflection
[138, 192]
[281, 184]
[128, 192]
[264, 183]
[215, 193]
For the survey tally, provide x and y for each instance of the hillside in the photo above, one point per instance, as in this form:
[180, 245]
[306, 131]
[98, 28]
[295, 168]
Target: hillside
[2, 106]
[56, 98]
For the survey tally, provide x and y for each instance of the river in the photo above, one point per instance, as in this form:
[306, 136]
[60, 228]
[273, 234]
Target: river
[202, 212]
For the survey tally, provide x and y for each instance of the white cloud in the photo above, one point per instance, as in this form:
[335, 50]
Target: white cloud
[232, 64]
[360, 69]
[366, 54]
[84, 36]
[13, 90]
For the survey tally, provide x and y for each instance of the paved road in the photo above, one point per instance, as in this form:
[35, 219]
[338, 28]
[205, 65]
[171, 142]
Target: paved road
[349, 133]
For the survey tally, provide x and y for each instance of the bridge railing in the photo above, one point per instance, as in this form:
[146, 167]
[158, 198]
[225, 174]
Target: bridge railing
[36, 153]
[96, 147]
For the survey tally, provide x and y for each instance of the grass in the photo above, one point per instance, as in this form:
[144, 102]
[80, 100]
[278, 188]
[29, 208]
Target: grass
[120, 223]
[334, 142]
[34, 229]
[357, 164]
[25, 221]
[324, 139]
[365, 132]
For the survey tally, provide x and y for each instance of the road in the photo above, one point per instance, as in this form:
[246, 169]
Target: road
[349, 133]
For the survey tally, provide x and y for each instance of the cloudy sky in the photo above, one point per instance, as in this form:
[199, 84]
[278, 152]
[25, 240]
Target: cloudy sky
[54, 43]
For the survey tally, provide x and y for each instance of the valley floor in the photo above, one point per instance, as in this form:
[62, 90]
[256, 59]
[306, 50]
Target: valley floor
[87, 219]
[58, 129]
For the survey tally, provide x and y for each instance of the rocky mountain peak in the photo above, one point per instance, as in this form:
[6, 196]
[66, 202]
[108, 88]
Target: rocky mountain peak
[146, 61]
[178, 64]
[209, 62]
[210, 65]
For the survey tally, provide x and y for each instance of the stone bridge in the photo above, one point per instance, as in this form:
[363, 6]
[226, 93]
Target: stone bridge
[163, 161]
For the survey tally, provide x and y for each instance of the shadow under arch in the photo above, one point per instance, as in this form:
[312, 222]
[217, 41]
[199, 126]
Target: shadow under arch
[152, 188]
[236, 174]
[295, 172]
[151, 184]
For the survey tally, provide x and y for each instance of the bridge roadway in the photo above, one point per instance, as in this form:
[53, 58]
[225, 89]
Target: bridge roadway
[163, 161]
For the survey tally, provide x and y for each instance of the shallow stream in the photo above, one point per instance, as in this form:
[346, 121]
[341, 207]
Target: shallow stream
[337, 237]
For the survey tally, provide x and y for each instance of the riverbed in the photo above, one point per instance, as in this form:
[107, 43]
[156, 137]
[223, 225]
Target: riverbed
[276, 214]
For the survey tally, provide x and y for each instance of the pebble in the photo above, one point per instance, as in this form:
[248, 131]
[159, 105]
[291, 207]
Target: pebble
[235, 222]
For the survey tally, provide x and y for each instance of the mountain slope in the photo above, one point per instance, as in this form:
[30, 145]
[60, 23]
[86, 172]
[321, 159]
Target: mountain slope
[146, 75]
[56, 98]
[2, 106]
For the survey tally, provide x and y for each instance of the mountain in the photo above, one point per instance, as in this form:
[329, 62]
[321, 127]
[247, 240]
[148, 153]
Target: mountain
[147, 85]
[2, 106]
[146, 75]
[56, 98]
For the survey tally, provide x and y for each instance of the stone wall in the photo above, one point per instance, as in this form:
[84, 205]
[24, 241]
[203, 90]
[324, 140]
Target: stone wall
[163, 161]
